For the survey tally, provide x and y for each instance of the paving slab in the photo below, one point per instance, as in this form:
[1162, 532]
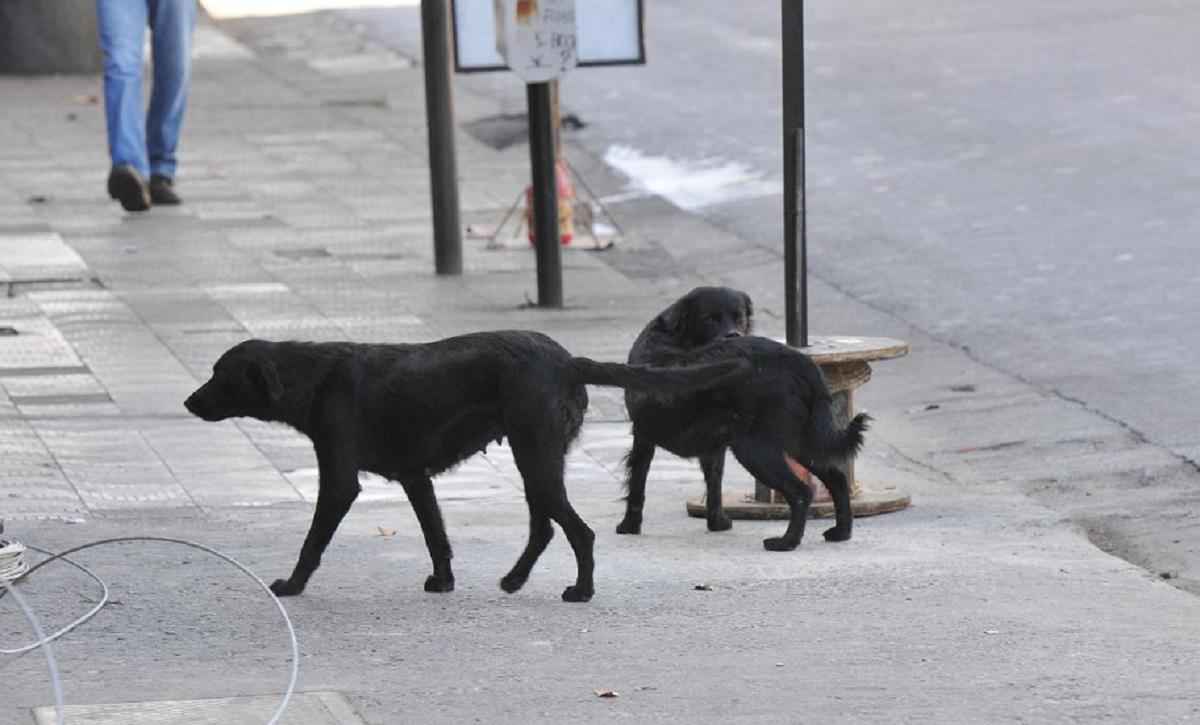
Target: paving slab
[304, 708]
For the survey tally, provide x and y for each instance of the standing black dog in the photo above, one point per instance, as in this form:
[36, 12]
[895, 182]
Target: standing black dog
[410, 412]
[780, 416]
[701, 316]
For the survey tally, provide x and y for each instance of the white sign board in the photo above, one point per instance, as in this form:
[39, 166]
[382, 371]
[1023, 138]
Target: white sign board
[607, 32]
[536, 38]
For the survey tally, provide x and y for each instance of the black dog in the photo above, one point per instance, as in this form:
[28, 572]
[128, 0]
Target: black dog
[701, 316]
[410, 412]
[779, 417]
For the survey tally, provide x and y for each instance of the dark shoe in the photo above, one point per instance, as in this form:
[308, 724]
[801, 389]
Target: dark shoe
[162, 191]
[127, 186]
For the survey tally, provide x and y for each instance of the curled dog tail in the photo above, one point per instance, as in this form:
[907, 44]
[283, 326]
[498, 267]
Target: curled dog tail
[833, 444]
[664, 380]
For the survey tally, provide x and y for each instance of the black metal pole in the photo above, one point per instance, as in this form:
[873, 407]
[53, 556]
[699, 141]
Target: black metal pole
[439, 118]
[795, 206]
[545, 196]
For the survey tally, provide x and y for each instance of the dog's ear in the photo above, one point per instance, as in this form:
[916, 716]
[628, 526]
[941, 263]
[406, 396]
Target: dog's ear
[676, 319]
[263, 374]
[748, 306]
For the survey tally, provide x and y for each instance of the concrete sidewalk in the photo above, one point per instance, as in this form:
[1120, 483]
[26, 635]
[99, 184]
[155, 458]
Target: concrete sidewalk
[306, 217]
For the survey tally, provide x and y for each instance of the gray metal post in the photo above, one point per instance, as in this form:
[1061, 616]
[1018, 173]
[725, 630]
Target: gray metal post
[795, 206]
[439, 117]
[545, 195]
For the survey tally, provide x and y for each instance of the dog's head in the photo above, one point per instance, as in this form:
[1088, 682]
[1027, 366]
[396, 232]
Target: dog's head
[706, 314]
[244, 383]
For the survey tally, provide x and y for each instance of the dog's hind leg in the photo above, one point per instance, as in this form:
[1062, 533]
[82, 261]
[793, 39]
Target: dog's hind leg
[713, 465]
[839, 490]
[337, 489]
[582, 540]
[541, 531]
[540, 460]
[425, 506]
[766, 462]
[637, 465]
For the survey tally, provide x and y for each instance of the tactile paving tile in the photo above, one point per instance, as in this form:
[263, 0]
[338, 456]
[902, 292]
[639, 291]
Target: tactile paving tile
[191, 445]
[17, 307]
[177, 307]
[31, 484]
[110, 465]
[285, 448]
[68, 407]
[312, 329]
[305, 708]
[23, 496]
[82, 306]
[39, 344]
[218, 465]
[33, 255]
[34, 386]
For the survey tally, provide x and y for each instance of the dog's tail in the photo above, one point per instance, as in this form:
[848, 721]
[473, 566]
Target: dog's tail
[663, 380]
[831, 443]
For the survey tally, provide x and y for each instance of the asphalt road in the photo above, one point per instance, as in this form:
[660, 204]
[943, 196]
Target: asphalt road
[1017, 180]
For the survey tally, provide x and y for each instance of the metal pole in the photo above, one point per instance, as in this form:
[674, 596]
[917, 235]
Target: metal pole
[439, 117]
[545, 195]
[795, 206]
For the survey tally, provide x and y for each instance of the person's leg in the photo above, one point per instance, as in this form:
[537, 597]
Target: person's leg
[171, 23]
[122, 25]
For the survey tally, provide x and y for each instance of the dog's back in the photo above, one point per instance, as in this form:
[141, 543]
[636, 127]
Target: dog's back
[786, 399]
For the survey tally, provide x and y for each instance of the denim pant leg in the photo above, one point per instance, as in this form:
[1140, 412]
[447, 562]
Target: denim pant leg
[122, 25]
[171, 24]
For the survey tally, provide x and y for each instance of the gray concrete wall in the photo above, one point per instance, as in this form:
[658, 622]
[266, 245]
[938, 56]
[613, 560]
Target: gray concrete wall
[48, 36]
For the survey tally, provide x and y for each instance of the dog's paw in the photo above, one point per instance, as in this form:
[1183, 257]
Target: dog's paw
[779, 543]
[577, 594]
[720, 523]
[837, 534]
[512, 583]
[285, 588]
[630, 525]
[439, 584]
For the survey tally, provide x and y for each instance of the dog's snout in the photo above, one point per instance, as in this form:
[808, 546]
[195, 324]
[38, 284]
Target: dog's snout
[198, 405]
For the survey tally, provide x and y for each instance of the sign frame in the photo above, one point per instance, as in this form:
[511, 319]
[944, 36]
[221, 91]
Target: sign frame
[641, 43]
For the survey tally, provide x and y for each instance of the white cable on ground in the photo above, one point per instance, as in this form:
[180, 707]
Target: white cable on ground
[44, 641]
[91, 613]
[12, 560]
[45, 644]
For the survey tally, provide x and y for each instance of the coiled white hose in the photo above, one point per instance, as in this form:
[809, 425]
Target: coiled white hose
[43, 641]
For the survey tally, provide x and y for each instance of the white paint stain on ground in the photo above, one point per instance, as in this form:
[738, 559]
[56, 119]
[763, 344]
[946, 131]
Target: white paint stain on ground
[690, 185]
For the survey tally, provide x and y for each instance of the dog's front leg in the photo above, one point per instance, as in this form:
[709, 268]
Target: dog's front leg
[425, 506]
[637, 464]
[337, 489]
[713, 465]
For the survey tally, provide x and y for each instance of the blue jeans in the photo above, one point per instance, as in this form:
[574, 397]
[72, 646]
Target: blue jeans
[147, 142]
